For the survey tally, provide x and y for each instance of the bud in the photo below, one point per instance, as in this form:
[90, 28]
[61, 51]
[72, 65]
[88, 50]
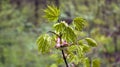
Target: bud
[59, 44]
[58, 40]
[64, 44]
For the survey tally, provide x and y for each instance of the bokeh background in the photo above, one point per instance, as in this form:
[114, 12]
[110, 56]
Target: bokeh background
[21, 22]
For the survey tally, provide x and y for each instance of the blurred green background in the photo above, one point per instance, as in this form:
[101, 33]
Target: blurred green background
[21, 22]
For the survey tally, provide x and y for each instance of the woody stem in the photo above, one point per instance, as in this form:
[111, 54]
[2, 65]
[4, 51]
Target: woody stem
[63, 51]
[64, 58]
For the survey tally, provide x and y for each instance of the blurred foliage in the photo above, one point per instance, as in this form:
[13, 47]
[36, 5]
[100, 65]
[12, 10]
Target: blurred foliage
[52, 13]
[17, 38]
[19, 29]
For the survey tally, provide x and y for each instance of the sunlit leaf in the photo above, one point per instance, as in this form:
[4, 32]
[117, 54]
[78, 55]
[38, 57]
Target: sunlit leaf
[43, 43]
[72, 48]
[74, 54]
[54, 65]
[71, 57]
[80, 52]
[85, 47]
[76, 59]
[80, 42]
[60, 27]
[79, 23]
[52, 13]
[69, 35]
[91, 42]
[86, 62]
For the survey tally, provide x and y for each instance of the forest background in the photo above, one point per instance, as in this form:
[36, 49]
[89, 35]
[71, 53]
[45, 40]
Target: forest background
[21, 22]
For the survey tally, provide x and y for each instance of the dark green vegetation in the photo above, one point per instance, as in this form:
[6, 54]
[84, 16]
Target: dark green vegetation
[21, 22]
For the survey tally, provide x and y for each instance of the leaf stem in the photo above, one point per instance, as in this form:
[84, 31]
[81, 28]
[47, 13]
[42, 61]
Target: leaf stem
[64, 58]
[53, 33]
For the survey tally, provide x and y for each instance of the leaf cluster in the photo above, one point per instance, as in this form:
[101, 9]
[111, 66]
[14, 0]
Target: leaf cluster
[52, 13]
[76, 48]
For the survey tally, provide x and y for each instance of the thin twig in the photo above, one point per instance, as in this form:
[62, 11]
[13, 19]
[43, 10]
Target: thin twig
[60, 36]
[64, 58]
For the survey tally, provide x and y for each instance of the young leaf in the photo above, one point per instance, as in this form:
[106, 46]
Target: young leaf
[60, 27]
[80, 52]
[69, 35]
[71, 57]
[86, 62]
[53, 65]
[52, 13]
[43, 43]
[96, 63]
[72, 48]
[80, 42]
[85, 47]
[76, 59]
[91, 42]
[79, 23]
